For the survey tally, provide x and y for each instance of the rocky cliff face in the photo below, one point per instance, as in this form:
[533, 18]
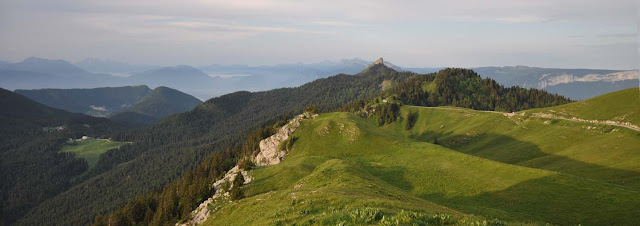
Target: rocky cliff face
[270, 153]
[555, 79]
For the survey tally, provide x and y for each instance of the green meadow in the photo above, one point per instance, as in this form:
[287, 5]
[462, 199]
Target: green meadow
[486, 168]
[90, 150]
[622, 106]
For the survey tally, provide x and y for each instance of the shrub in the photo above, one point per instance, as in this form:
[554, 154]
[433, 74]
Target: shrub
[411, 120]
[287, 144]
[365, 216]
[225, 185]
[387, 113]
[236, 191]
[312, 109]
[245, 163]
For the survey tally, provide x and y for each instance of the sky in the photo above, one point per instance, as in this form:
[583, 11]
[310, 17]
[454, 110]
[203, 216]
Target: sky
[437, 33]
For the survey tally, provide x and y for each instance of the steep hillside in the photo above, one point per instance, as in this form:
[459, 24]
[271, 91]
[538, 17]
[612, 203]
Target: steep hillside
[31, 167]
[97, 101]
[133, 118]
[516, 168]
[159, 103]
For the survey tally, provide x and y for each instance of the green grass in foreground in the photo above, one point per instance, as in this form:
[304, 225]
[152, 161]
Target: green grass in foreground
[90, 150]
[342, 165]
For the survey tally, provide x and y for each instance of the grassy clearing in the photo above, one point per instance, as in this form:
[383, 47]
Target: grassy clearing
[342, 164]
[90, 150]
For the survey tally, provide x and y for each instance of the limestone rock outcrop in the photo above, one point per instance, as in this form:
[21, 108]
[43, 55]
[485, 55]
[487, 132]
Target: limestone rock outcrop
[270, 153]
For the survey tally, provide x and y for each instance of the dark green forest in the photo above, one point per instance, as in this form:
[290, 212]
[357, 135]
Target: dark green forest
[31, 167]
[464, 88]
[113, 99]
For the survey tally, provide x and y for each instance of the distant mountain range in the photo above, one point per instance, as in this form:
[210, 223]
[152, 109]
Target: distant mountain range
[577, 84]
[38, 73]
[214, 80]
[128, 104]
[112, 67]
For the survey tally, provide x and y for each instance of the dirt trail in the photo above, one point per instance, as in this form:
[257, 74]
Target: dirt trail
[549, 116]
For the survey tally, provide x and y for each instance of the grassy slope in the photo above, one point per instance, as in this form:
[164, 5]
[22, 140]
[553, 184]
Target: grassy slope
[621, 106]
[602, 154]
[90, 150]
[359, 165]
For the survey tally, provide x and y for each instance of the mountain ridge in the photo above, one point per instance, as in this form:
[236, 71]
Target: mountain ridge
[223, 79]
[95, 101]
[159, 103]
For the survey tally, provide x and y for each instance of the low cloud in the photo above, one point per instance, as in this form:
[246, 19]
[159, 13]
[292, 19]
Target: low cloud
[98, 108]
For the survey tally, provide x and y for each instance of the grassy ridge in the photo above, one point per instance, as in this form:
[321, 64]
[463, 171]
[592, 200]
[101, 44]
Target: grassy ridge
[604, 153]
[343, 162]
[623, 106]
[90, 150]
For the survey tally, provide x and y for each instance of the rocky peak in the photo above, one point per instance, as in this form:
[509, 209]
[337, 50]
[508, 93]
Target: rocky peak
[378, 61]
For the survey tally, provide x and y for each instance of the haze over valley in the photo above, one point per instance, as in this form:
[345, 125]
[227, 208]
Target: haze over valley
[209, 81]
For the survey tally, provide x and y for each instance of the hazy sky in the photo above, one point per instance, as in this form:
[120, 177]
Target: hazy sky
[464, 33]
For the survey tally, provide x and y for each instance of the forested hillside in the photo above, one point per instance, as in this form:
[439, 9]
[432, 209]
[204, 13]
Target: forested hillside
[464, 88]
[97, 101]
[168, 149]
[31, 168]
[159, 103]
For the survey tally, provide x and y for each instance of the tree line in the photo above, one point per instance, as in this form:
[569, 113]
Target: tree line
[464, 88]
